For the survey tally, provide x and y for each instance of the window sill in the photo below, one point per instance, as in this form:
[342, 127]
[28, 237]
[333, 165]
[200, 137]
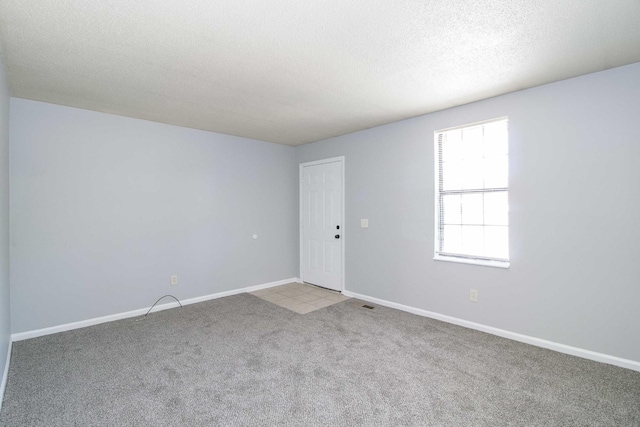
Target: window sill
[484, 262]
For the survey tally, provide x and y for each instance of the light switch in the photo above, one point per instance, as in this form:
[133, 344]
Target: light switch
[364, 223]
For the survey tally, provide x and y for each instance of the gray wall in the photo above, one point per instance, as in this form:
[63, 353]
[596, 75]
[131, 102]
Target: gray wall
[106, 208]
[574, 212]
[5, 312]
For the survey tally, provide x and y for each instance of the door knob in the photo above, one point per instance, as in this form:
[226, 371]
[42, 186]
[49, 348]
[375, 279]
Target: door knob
[337, 236]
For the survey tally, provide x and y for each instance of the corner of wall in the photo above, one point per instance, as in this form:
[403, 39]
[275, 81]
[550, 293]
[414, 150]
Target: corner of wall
[5, 306]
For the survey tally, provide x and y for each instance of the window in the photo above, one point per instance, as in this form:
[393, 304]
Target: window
[472, 194]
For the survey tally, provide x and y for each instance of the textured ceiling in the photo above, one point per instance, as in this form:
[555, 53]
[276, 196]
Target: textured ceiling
[293, 72]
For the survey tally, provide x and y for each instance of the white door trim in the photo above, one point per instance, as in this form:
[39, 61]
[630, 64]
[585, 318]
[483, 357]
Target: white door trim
[340, 160]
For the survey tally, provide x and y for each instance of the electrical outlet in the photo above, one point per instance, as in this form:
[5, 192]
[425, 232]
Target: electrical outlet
[473, 295]
[364, 223]
[174, 280]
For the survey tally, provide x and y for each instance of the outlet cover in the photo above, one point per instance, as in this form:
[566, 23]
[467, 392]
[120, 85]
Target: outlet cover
[473, 295]
[174, 280]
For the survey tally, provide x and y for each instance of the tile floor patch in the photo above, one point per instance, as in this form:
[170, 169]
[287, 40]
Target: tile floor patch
[300, 297]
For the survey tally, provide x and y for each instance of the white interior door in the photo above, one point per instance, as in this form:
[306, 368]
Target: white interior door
[321, 223]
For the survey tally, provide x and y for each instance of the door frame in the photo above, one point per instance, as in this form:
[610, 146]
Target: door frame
[343, 227]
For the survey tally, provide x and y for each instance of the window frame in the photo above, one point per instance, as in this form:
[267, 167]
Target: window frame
[439, 192]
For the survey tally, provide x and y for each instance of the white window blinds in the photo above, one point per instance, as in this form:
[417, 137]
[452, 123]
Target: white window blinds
[472, 192]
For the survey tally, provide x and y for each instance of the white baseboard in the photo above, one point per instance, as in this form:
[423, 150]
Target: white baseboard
[141, 311]
[5, 374]
[562, 348]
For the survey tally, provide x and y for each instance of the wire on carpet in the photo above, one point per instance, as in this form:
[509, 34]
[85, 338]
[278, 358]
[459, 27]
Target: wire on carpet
[154, 304]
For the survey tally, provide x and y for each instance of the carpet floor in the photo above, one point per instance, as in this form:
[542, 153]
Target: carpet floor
[243, 361]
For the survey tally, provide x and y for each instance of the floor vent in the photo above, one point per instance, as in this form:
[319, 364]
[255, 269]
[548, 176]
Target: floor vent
[368, 306]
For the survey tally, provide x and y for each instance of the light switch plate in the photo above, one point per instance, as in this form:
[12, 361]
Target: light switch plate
[364, 223]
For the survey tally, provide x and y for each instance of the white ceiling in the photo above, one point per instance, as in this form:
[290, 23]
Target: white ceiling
[293, 72]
